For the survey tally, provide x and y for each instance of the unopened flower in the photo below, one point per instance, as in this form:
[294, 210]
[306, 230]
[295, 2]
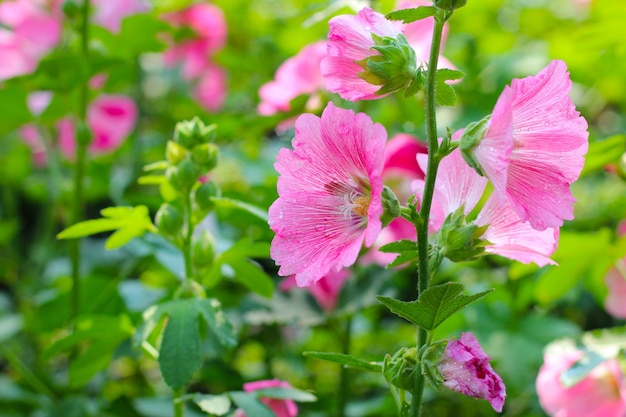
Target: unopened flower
[601, 393]
[329, 191]
[300, 74]
[532, 147]
[281, 408]
[464, 367]
[368, 57]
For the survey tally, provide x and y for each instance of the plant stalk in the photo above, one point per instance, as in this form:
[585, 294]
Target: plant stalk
[423, 279]
[342, 392]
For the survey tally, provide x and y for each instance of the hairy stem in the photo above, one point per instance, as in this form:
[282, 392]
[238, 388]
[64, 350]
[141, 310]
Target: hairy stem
[423, 279]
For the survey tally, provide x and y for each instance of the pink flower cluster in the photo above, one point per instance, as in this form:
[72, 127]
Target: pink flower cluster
[194, 55]
[281, 408]
[110, 13]
[465, 368]
[601, 393]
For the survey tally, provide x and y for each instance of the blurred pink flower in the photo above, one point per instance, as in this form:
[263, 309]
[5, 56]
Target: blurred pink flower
[615, 280]
[38, 101]
[399, 169]
[281, 408]
[300, 74]
[534, 145]
[110, 13]
[32, 32]
[459, 185]
[350, 42]
[599, 394]
[210, 88]
[465, 368]
[329, 191]
[325, 291]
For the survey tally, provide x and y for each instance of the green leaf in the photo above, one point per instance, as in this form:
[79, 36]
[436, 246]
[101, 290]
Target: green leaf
[211, 311]
[180, 355]
[399, 246]
[348, 360]
[433, 306]
[604, 152]
[446, 74]
[444, 94]
[412, 15]
[253, 277]
[286, 394]
[229, 203]
[89, 227]
[403, 258]
[217, 405]
[250, 404]
[13, 108]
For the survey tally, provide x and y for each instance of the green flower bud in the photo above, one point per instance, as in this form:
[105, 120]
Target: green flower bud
[203, 249]
[391, 206]
[203, 194]
[70, 9]
[190, 133]
[394, 69]
[183, 176]
[472, 135]
[169, 220]
[399, 369]
[175, 153]
[205, 155]
[459, 241]
[429, 359]
[450, 4]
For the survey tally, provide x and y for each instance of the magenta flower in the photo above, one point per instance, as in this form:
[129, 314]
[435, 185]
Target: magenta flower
[599, 394]
[300, 74]
[329, 191]
[534, 145]
[457, 185]
[210, 89]
[281, 408]
[465, 368]
[325, 291]
[350, 42]
[110, 13]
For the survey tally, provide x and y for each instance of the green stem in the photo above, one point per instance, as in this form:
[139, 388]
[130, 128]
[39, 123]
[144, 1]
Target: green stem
[79, 171]
[187, 236]
[342, 392]
[423, 279]
[179, 406]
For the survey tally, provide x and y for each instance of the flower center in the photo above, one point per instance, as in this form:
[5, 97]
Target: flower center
[360, 205]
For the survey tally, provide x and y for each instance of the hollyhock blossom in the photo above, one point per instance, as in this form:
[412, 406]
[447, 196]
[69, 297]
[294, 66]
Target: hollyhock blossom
[300, 74]
[281, 408]
[465, 368]
[601, 393]
[615, 280]
[350, 43]
[533, 147]
[457, 185]
[325, 291]
[210, 89]
[329, 191]
[110, 13]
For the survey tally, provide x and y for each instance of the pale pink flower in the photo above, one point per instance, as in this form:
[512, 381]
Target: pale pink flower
[300, 74]
[32, 32]
[599, 394]
[534, 146]
[325, 291]
[210, 88]
[110, 13]
[615, 280]
[281, 408]
[38, 101]
[31, 137]
[465, 368]
[349, 42]
[457, 185]
[329, 191]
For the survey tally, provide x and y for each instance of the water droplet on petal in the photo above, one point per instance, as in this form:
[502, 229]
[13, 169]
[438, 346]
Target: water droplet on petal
[320, 228]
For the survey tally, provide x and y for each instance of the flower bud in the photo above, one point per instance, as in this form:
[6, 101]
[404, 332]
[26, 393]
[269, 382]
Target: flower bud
[458, 240]
[450, 4]
[174, 153]
[169, 220]
[203, 248]
[472, 135]
[205, 155]
[190, 133]
[203, 194]
[399, 369]
[391, 206]
[395, 67]
[183, 176]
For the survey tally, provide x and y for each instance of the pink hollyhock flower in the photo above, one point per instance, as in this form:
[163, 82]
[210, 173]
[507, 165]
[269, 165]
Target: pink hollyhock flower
[208, 23]
[325, 291]
[329, 191]
[111, 119]
[110, 13]
[281, 408]
[534, 145]
[465, 368]
[615, 280]
[300, 74]
[350, 42]
[599, 394]
[32, 32]
[459, 185]
[38, 101]
[210, 88]
[31, 137]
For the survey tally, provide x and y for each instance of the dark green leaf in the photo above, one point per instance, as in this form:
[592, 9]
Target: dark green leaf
[412, 15]
[433, 306]
[403, 258]
[217, 321]
[348, 360]
[253, 277]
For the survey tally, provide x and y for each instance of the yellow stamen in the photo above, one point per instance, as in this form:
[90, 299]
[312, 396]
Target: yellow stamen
[361, 204]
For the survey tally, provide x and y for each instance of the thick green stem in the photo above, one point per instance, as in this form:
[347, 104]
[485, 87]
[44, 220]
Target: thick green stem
[187, 237]
[79, 170]
[179, 406]
[423, 279]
